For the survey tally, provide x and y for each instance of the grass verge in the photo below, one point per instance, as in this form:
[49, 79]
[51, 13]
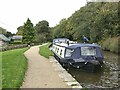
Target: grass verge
[45, 51]
[14, 65]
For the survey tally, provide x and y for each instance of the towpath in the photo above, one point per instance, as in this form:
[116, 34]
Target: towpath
[41, 73]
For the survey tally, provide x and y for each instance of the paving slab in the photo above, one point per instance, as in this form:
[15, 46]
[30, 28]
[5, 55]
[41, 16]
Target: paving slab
[65, 75]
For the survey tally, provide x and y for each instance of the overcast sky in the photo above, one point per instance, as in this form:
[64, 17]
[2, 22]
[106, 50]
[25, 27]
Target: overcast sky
[13, 13]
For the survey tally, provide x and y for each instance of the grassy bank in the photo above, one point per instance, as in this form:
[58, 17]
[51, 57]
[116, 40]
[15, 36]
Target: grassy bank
[111, 44]
[14, 65]
[45, 51]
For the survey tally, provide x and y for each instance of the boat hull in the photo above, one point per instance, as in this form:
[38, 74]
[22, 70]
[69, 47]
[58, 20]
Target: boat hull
[85, 66]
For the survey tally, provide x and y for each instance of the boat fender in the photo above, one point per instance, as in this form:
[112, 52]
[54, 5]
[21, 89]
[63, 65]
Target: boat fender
[86, 63]
[70, 63]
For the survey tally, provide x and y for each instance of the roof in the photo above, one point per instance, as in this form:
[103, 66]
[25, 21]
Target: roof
[4, 38]
[82, 45]
[60, 39]
[17, 37]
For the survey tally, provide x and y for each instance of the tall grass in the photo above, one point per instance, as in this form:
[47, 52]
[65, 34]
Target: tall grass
[45, 51]
[112, 44]
[14, 65]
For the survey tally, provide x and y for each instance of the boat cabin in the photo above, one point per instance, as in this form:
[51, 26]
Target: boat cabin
[84, 52]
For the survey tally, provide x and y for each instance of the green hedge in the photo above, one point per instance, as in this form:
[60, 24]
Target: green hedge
[5, 48]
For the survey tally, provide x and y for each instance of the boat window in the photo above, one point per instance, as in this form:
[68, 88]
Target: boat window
[61, 52]
[69, 52]
[88, 51]
[57, 50]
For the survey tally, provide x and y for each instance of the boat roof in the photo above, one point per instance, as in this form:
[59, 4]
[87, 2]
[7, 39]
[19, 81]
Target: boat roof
[60, 39]
[82, 45]
[17, 37]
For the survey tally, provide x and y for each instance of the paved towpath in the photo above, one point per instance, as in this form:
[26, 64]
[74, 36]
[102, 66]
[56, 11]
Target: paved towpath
[41, 73]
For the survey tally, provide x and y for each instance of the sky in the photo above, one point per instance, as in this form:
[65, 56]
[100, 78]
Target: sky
[13, 13]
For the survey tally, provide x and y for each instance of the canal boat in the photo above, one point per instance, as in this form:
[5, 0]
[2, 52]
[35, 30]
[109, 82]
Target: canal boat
[77, 55]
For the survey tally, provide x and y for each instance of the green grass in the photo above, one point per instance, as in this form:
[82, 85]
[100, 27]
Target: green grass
[14, 65]
[45, 51]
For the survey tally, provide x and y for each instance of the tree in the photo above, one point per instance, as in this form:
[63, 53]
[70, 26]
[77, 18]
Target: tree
[42, 27]
[42, 31]
[2, 30]
[5, 32]
[97, 21]
[28, 32]
[8, 34]
[20, 30]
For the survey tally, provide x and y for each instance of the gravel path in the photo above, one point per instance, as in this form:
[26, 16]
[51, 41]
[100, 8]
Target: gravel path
[41, 73]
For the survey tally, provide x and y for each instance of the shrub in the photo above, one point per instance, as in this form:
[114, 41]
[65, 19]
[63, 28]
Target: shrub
[112, 44]
[13, 47]
[105, 44]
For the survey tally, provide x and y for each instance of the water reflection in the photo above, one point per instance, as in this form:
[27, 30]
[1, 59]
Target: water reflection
[106, 77]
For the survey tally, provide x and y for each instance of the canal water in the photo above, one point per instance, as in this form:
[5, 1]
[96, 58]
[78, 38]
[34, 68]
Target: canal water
[107, 77]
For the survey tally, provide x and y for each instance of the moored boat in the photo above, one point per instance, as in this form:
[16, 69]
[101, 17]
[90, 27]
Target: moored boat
[77, 55]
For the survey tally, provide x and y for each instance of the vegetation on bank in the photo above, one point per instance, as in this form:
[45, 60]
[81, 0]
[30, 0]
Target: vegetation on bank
[111, 44]
[12, 46]
[14, 65]
[45, 51]
[99, 21]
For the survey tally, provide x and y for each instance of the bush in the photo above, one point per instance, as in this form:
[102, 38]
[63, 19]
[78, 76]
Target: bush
[105, 44]
[13, 47]
[112, 44]
[16, 42]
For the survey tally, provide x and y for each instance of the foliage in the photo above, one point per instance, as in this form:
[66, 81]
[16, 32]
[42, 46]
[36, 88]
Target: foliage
[112, 44]
[45, 51]
[106, 44]
[42, 31]
[28, 32]
[14, 65]
[5, 32]
[97, 20]
[42, 27]
[8, 34]
[20, 30]
[12, 46]
[2, 30]
[61, 30]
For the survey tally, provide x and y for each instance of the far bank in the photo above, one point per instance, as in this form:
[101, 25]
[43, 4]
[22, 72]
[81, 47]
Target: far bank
[111, 44]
